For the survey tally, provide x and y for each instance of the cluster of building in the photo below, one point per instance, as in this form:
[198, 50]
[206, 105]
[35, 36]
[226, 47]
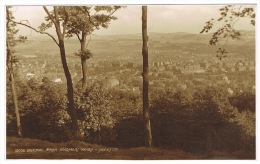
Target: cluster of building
[193, 67]
[126, 75]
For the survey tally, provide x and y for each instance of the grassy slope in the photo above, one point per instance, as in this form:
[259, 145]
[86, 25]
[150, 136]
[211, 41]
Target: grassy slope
[133, 153]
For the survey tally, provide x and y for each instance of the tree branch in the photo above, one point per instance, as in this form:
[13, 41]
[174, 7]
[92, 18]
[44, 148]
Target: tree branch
[89, 16]
[57, 23]
[48, 13]
[97, 26]
[38, 31]
[78, 37]
[65, 21]
[113, 12]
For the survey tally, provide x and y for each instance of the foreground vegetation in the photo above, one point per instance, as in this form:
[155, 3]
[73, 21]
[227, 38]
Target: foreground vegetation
[199, 121]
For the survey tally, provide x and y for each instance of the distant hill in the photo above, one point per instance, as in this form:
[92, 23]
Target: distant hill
[153, 35]
[118, 44]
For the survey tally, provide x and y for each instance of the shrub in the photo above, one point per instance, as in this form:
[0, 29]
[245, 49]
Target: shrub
[43, 111]
[94, 112]
[191, 123]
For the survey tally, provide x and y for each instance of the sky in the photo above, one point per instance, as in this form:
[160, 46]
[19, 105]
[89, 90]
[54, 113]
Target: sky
[161, 18]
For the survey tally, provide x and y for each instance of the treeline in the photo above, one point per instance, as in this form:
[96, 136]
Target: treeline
[205, 120]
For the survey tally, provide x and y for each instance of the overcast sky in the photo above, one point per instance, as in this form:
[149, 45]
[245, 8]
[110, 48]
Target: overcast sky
[163, 18]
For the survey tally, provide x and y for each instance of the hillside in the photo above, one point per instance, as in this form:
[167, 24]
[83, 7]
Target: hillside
[167, 43]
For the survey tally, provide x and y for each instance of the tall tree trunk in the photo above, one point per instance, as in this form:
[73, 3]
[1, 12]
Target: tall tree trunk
[18, 121]
[12, 80]
[71, 106]
[14, 95]
[83, 62]
[146, 114]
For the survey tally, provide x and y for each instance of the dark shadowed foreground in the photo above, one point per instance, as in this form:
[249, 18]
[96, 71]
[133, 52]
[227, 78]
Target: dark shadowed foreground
[18, 148]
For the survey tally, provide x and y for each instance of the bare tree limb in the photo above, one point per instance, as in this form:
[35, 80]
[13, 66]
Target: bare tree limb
[48, 13]
[78, 37]
[97, 26]
[89, 16]
[65, 21]
[112, 12]
[57, 23]
[38, 31]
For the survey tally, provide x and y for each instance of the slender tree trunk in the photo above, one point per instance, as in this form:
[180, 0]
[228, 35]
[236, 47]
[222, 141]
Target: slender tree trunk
[71, 106]
[146, 114]
[83, 63]
[12, 80]
[14, 95]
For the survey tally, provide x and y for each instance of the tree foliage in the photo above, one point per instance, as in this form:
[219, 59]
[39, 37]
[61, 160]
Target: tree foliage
[93, 108]
[43, 111]
[229, 15]
[85, 19]
[114, 118]
[82, 21]
[100, 110]
[212, 106]
[181, 120]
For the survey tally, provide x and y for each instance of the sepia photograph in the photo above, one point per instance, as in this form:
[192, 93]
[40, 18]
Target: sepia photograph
[131, 82]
